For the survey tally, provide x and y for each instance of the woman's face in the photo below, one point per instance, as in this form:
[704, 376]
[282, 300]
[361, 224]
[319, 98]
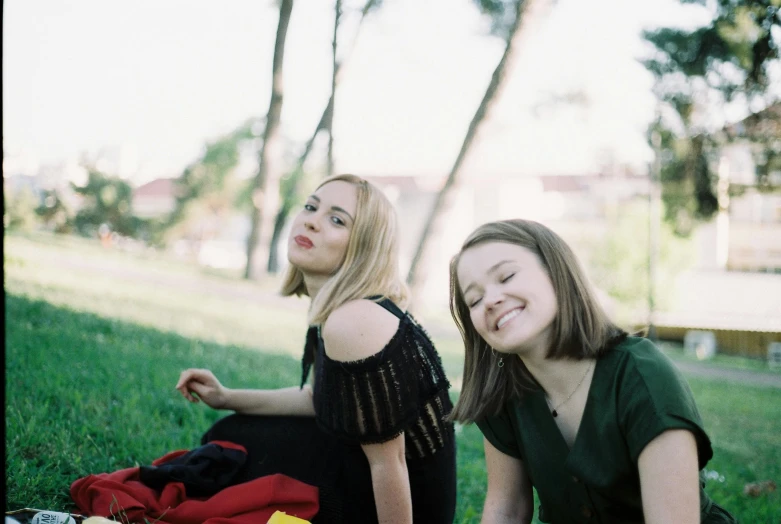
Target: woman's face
[510, 297]
[320, 233]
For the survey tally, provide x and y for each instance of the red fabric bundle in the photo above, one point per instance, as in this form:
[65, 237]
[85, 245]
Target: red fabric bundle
[252, 502]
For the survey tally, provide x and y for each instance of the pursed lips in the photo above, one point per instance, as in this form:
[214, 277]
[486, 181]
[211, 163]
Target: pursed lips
[506, 317]
[303, 241]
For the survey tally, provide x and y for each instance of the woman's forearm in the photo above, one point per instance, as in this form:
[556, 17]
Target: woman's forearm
[286, 401]
[390, 483]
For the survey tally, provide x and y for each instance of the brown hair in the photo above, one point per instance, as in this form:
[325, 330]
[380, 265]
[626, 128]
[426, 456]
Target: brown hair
[581, 328]
[371, 261]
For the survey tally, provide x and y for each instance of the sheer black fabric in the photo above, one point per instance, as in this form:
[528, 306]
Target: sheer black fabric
[403, 388]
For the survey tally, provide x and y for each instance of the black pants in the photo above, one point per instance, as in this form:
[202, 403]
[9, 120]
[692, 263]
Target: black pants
[296, 447]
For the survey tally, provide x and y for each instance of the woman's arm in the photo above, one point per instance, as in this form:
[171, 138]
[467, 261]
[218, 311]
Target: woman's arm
[390, 481]
[669, 478]
[201, 384]
[509, 498]
[355, 331]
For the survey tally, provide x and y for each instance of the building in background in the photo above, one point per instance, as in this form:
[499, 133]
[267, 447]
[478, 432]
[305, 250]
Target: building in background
[739, 301]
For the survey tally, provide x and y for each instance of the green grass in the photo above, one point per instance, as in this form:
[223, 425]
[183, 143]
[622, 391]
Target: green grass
[94, 346]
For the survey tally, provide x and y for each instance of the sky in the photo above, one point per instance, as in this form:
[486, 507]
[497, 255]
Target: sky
[153, 81]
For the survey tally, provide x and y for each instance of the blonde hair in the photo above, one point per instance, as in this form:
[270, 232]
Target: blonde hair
[370, 267]
[581, 328]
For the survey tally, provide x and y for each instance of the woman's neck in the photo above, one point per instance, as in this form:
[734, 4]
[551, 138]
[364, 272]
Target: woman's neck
[556, 376]
[314, 283]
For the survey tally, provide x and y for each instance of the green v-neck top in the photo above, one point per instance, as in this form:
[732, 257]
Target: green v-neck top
[636, 394]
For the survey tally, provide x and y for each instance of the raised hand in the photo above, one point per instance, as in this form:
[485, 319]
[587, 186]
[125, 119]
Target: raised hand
[201, 384]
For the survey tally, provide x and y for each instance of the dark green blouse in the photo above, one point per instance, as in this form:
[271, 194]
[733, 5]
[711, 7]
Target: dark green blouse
[636, 393]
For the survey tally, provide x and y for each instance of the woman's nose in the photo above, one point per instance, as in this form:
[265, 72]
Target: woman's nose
[493, 298]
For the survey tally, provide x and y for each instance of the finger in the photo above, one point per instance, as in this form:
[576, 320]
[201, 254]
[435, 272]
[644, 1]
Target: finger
[197, 388]
[185, 393]
[189, 375]
[184, 377]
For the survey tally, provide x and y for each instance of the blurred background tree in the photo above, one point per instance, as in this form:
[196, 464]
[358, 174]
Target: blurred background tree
[508, 18]
[106, 200]
[209, 191]
[54, 213]
[619, 262]
[19, 210]
[265, 184]
[699, 74]
[292, 184]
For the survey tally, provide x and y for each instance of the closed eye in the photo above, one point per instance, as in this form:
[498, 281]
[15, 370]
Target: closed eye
[507, 278]
[475, 302]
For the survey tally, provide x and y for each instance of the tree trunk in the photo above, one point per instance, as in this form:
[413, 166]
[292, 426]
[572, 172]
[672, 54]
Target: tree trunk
[265, 186]
[331, 102]
[298, 170]
[289, 195]
[425, 247]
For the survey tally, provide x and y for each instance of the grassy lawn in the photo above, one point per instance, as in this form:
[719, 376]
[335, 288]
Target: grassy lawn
[93, 352]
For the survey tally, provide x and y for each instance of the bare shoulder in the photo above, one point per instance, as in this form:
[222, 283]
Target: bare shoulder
[358, 329]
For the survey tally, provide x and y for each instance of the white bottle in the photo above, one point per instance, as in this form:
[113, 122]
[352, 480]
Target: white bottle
[52, 517]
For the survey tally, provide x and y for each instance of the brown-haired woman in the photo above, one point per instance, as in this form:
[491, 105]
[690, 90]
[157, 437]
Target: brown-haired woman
[600, 423]
[372, 431]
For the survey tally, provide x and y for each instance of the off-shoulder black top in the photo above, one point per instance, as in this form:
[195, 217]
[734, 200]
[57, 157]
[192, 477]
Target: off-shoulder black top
[403, 388]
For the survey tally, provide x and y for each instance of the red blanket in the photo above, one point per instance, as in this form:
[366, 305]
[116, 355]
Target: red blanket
[253, 502]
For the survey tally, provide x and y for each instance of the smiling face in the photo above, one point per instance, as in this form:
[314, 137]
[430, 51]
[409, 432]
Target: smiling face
[510, 297]
[321, 231]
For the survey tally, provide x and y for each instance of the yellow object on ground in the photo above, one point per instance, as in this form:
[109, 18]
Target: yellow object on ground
[280, 517]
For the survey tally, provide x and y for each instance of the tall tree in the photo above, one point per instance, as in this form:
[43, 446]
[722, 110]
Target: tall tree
[698, 72]
[508, 18]
[291, 188]
[265, 186]
[332, 101]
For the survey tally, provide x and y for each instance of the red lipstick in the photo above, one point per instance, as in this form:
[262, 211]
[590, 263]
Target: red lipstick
[303, 241]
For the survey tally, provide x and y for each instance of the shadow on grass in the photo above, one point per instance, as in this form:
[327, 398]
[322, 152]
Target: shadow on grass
[86, 394]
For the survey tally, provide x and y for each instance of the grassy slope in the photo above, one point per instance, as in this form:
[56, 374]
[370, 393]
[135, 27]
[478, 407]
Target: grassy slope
[87, 392]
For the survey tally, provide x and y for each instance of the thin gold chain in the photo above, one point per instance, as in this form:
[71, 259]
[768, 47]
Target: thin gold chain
[555, 410]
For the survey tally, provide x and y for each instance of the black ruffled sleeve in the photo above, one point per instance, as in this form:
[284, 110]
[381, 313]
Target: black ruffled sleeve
[375, 399]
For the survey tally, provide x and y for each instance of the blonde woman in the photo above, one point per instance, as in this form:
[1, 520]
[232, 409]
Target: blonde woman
[371, 431]
[600, 423]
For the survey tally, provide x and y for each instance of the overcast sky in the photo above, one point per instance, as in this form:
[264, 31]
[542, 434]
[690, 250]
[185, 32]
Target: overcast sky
[160, 78]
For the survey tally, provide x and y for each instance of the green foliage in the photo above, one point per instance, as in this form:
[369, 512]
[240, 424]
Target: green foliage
[55, 214]
[687, 180]
[106, 200]
[502, 13]
[730, 58]
[208, 190]
[733, 53]
[620, 262]
[19, 209]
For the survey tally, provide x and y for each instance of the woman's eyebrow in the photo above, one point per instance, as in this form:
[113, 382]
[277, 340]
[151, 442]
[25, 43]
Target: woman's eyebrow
[342, 210]
[490, 270]
[335, 208]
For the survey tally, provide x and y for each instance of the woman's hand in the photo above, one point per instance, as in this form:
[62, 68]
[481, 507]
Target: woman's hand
[201, 384]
